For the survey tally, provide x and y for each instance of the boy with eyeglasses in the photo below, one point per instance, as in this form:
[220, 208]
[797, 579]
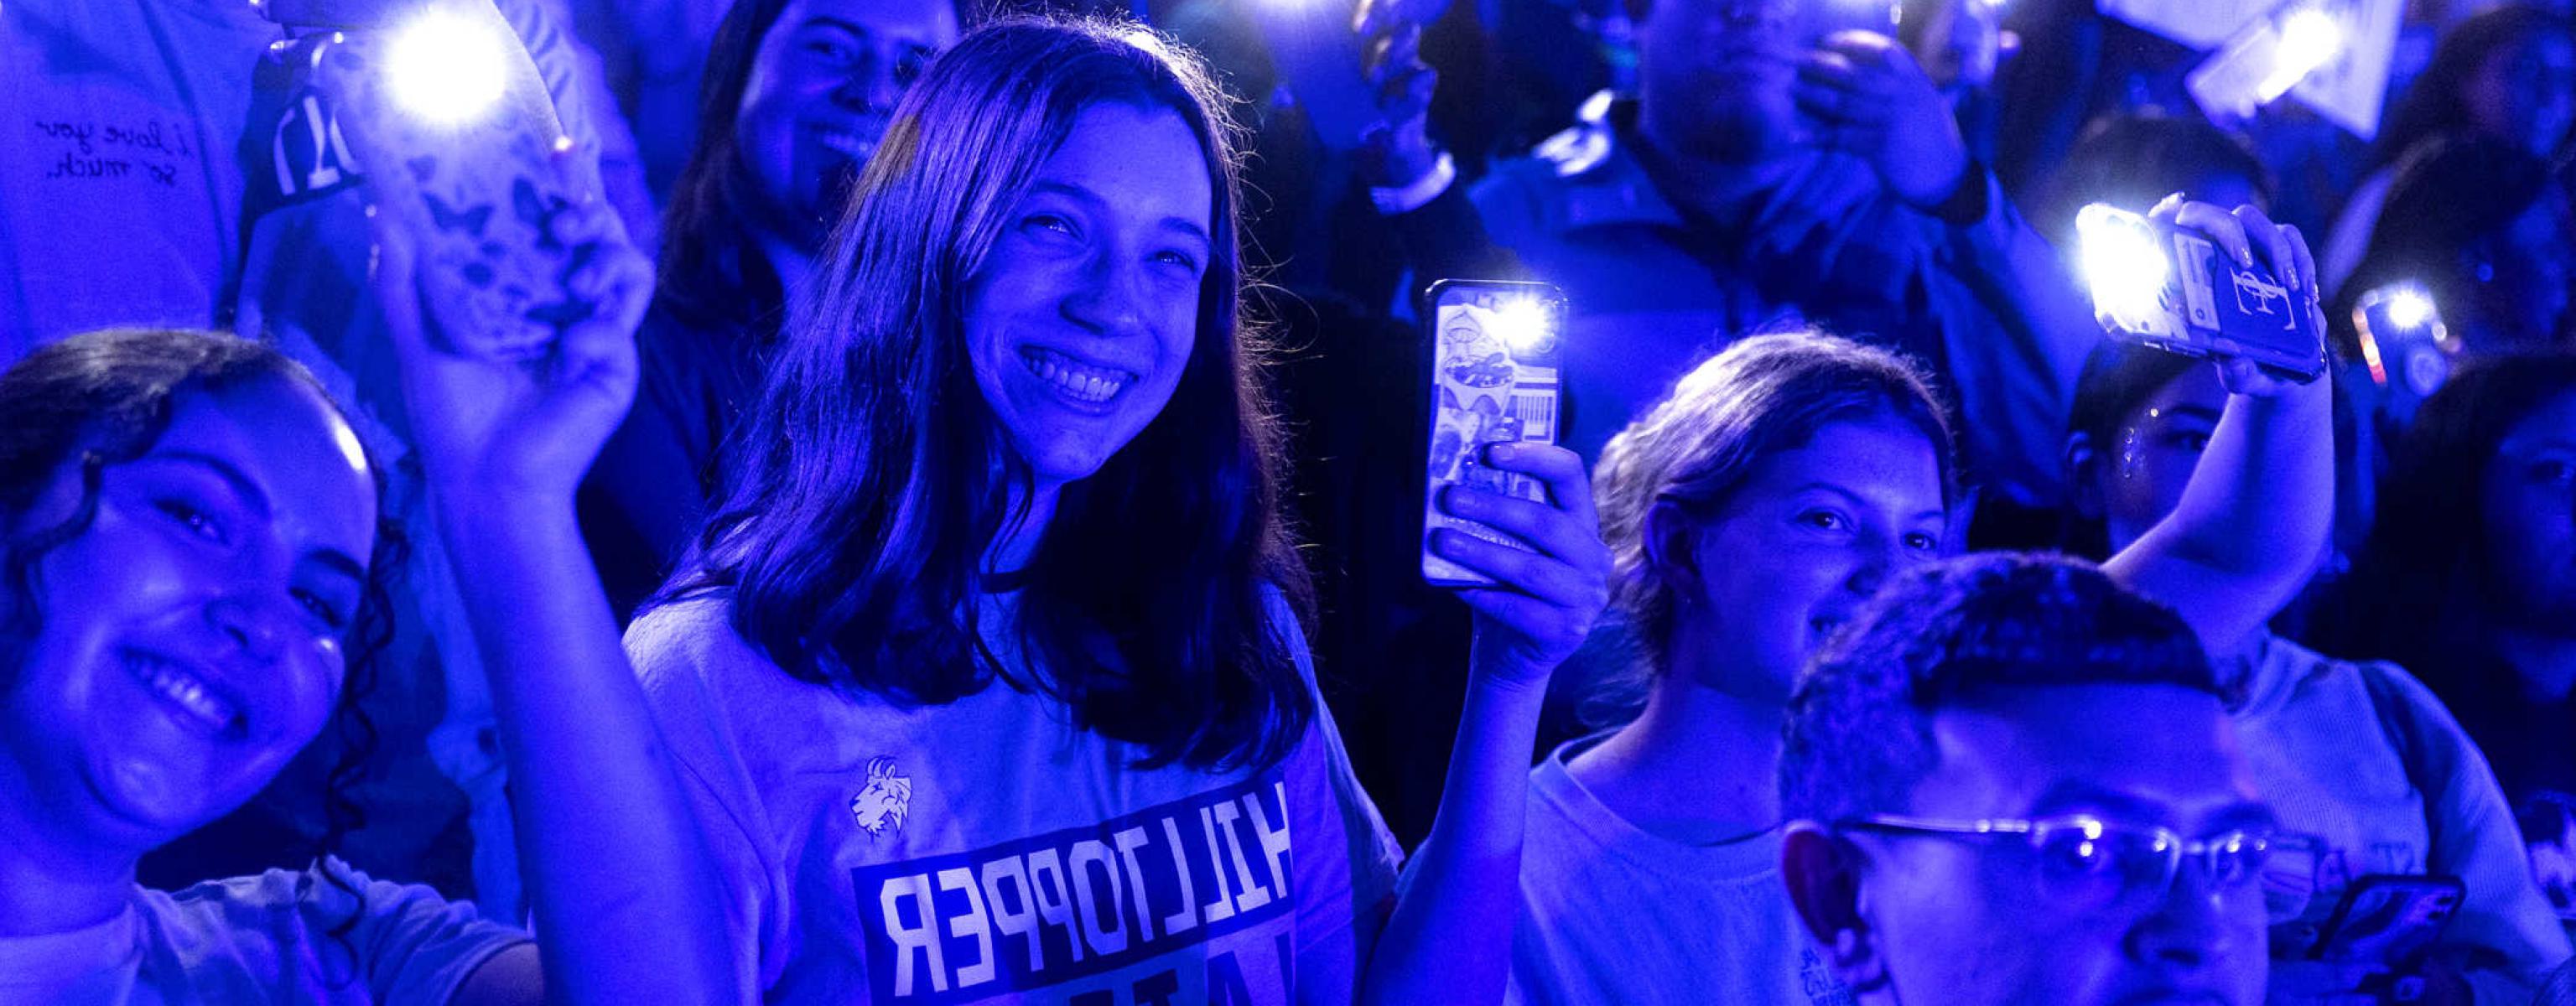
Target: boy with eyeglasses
[2015, 782]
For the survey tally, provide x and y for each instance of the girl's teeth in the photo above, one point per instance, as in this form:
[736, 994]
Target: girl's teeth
[1082, 383]
[188, 693]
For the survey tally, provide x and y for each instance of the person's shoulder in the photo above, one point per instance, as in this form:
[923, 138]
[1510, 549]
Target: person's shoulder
[692, 642]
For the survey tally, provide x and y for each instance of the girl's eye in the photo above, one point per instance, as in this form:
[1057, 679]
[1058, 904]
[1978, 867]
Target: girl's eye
[326, 611]
[830, 50]
[2555, 472]
[193, 519]
[1181, 259]
[1048, 222]
[1921, 542]
[1823, 520]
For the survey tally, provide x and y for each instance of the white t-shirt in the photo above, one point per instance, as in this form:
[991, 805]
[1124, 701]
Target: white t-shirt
[2335, 762]
[262, 939]
[984, 851]
[1613, 914]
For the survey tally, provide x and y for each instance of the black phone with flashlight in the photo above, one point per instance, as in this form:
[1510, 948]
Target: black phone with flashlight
[2175, 289]
[1320, 60]
[1494, 351]
[2403, 342]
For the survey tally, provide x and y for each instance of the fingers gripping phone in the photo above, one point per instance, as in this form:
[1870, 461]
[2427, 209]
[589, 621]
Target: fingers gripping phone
[2390, 923]
[1494, 353]
[2175, 289]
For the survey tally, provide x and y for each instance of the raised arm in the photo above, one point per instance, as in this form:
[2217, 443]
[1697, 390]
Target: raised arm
[626, 909]
[1450, 938]
[2251, 524]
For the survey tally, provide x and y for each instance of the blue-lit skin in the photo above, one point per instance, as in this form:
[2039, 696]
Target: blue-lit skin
[823, 85]
[232, 553]
[2230, 542]
[1080, 319]
[1942, 921]
[1721, 85]
[2527, 502]
[1813, 533]
[588, 770]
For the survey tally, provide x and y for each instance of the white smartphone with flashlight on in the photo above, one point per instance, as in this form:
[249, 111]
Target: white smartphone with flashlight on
[2174, 288]
[461, 145]
[1494, 379]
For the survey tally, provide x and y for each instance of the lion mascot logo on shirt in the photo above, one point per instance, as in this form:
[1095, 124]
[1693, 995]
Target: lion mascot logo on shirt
[886, 801]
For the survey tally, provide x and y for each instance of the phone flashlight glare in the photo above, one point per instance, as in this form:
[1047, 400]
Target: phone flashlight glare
[446, 68]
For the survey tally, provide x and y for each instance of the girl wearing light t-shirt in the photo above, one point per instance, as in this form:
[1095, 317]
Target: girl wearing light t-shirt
[988, 675]
[1750, 513]
[188, 527]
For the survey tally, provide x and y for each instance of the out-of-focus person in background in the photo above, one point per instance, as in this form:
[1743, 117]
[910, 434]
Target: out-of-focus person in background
[2484, 227]
[2506, 74]
[2469, 580]
[797, 95]
[1762, 176]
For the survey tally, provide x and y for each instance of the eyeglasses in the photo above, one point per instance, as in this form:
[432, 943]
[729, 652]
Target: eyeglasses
[2087, 863]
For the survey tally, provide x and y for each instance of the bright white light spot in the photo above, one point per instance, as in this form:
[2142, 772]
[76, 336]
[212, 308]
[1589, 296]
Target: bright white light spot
[2123, 264]
[446, 67]
[2409, 309]
[1526, 325]
[2310, 38]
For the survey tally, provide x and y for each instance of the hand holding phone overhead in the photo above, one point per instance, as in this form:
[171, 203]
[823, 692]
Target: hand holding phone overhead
[2195, 279]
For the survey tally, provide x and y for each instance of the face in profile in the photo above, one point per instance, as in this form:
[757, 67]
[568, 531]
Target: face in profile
[1080, 319]
[1812, 534]
[192, 639]
[2139, 476]
[2528, 504]
[1714, 76]
[822, 89]
[1991, 920]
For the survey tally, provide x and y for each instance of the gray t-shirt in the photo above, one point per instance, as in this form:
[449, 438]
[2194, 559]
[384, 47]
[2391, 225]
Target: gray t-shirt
[1612, 914]
[987, 851]
[262, 939]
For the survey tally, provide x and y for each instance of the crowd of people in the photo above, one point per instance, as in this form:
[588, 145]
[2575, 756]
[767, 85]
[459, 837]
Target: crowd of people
[961, 538]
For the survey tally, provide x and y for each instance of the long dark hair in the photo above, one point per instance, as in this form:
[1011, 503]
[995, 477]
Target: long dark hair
[713, 275]
[2426, 543]
[873, 474]
[105, 398]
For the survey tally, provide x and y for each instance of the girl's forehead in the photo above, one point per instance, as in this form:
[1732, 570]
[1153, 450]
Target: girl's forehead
[287, 451]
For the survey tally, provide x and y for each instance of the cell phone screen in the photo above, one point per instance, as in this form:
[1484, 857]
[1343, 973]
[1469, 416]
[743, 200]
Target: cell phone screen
[2390, 920]
[1494, 379]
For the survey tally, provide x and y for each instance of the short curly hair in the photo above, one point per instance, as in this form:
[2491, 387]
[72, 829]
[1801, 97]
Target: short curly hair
[1859, 731]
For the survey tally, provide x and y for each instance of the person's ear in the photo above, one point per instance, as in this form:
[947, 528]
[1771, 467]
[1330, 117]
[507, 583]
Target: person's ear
[1826, 873]
[2084, 475]
[1671, 543]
